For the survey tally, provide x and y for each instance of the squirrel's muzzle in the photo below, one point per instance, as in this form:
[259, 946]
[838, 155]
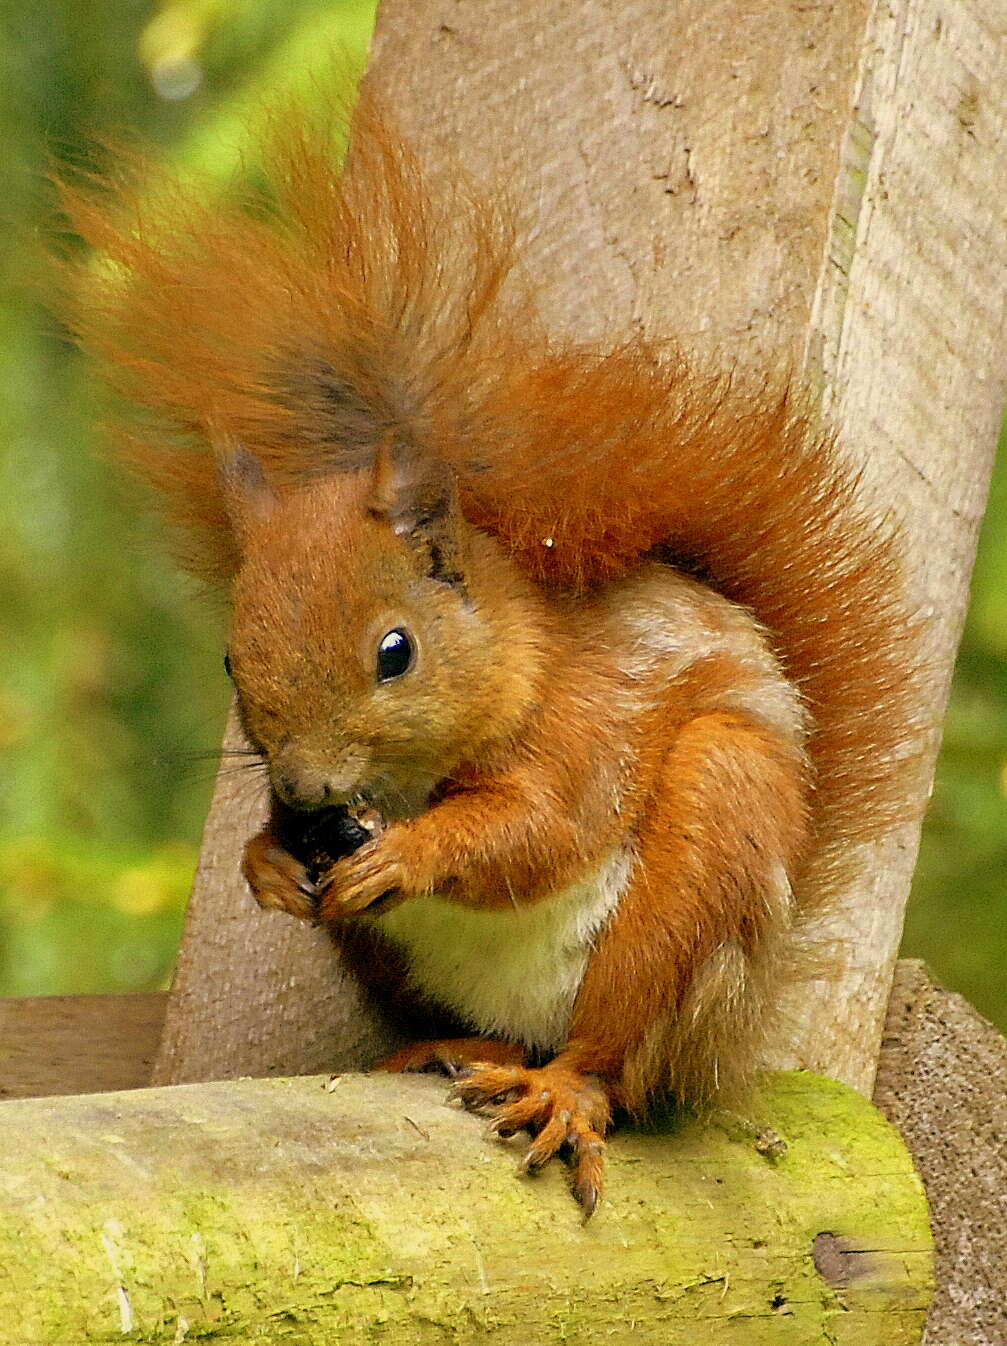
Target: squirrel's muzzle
[307, 787]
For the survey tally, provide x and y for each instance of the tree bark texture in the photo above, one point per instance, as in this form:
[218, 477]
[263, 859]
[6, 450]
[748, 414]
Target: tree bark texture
[942, 1080]
[773, 184]
[367, 1209]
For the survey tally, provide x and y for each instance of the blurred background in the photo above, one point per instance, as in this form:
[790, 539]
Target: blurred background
[112, 692]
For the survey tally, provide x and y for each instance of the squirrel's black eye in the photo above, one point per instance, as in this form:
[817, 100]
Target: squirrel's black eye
[395, 655]
[227, 665]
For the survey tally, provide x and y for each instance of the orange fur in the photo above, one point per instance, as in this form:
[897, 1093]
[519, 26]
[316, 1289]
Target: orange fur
[726, 808]
[345, 400]
[450, 1056]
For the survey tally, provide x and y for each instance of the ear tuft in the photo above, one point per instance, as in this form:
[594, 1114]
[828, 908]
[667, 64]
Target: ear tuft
[384, 488]
[416, 495]
[248, 497]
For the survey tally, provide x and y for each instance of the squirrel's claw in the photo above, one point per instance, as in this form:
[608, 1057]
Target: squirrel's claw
[566, 1112]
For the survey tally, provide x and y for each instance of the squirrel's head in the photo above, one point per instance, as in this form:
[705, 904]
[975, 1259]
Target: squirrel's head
[378, 641]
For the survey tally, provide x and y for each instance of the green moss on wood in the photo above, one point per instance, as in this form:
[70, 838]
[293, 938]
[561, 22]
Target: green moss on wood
[278, 1211]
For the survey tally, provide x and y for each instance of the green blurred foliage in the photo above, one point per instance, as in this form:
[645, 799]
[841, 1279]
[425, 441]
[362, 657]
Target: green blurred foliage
[957, 916]
[81, 915]
[112, 694]
[111, 691]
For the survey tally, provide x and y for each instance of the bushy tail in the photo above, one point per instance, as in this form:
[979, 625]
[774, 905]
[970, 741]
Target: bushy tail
[586, 462]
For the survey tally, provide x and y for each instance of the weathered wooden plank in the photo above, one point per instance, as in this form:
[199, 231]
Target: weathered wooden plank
[776, 183]
[285, 1210]
[906, 339]
[78, 1044]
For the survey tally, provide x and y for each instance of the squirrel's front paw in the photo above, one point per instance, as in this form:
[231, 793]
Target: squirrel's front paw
[277, 880]
[378, 876]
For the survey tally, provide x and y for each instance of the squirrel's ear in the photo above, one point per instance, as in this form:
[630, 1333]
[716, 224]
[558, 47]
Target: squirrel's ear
[416, 495]
[248, 497]
[386, 483]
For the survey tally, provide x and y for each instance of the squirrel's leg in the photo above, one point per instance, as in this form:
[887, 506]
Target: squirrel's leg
[479, 846]
[725, 823]
[566, 1110]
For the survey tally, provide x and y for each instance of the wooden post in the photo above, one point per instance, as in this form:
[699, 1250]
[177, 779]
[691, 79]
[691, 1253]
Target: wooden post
[811, 185]
[942, 1081]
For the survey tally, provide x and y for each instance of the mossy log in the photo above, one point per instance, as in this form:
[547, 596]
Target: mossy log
[366, 1209]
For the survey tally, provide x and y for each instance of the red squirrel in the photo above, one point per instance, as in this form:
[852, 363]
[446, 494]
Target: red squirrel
[606, 645]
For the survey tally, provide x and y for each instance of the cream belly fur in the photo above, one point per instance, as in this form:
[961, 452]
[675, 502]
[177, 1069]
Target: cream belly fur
[512, 973]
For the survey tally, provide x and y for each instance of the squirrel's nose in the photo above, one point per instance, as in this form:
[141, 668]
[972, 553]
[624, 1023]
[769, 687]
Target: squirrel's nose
[305, 787]
[301, 793]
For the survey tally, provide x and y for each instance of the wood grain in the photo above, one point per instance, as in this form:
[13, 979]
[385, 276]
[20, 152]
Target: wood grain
[78, 1044]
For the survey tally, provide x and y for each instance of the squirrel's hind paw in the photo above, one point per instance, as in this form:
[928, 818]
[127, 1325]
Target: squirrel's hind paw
[566, 1112]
